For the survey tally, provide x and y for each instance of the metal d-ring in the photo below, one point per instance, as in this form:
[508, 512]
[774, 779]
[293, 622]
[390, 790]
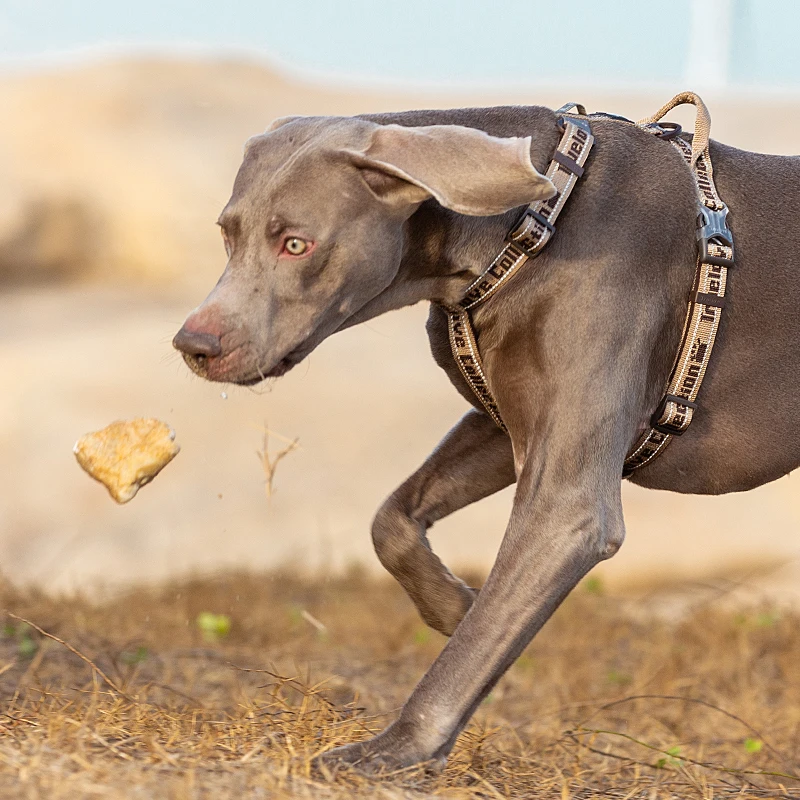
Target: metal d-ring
[669, 130]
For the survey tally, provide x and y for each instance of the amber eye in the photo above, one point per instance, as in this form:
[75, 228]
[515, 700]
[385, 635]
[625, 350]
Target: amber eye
[295, 246]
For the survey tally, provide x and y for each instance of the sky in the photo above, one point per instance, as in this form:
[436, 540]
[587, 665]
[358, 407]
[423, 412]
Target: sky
[441, 42]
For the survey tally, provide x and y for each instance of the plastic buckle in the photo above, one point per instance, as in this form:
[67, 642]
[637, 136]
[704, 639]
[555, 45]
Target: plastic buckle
[522, 224]
[583, 124]
[715, 228]
[666, 428]
[542, 220]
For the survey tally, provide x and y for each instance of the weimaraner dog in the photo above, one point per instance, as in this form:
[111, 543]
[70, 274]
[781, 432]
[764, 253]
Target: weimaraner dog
[335, 220]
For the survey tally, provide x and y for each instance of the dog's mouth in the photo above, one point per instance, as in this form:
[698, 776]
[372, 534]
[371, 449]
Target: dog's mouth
[222, 368]
[281, 368]
[200, 366]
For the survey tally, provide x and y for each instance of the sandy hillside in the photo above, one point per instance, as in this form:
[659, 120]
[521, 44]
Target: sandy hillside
[116, 173]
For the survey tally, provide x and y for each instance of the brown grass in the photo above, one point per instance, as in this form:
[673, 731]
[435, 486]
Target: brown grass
[611, 700]
[270, 463]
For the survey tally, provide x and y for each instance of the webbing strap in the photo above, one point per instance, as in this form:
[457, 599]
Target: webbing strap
[715, 255]
[702, 124]
[536, 228]
[528, 238]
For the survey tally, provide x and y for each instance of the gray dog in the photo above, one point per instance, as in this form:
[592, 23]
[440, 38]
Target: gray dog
[336, 220]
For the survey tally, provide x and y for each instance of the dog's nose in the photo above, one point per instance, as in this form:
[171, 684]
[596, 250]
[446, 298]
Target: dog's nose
[196, 343]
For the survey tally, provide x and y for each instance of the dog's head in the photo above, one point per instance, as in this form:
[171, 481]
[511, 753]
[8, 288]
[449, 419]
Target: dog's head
[316, 230]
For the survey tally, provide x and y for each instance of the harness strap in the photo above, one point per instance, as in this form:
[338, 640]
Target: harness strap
[714, 257]
[702, 124]
[535, 229]
[527, 239]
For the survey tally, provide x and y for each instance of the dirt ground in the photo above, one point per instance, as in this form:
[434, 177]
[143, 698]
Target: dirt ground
[611, 700]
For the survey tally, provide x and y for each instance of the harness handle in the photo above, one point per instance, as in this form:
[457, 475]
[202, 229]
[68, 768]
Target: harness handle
[567, 108]
[702, 123]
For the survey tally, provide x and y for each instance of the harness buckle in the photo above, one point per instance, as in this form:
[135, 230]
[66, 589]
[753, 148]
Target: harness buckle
[715, 231]
[521, 236]
[679, 426]
[576, 121]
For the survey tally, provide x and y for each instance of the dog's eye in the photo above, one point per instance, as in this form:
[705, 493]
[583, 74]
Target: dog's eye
[295, 246]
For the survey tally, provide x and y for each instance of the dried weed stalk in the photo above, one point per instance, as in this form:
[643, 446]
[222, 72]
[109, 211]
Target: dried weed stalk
[270, 464]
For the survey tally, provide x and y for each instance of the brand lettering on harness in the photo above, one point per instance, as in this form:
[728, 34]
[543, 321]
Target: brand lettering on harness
[534, 231]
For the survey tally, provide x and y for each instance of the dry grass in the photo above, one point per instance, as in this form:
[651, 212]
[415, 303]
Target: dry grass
[270, 463]
[610, 701]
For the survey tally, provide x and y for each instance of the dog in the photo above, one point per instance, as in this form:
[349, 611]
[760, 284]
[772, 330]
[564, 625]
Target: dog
[335, 220]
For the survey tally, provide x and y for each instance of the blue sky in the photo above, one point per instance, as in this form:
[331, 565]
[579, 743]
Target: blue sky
[455, 42]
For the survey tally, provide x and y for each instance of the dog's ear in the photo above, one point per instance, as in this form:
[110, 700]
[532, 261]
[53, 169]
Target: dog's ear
[465, 169]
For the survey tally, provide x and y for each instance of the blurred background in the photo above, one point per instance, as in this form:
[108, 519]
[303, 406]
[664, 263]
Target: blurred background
[122, 129]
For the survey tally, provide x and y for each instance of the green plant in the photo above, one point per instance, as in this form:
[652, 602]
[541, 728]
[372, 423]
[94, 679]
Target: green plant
[753, 745]
[213, 626]
[27, 646]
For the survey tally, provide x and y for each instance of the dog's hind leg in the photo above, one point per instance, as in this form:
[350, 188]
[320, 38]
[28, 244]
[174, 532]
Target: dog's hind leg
[474, 460]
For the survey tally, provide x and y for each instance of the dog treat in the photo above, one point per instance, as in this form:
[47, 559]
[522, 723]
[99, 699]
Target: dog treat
[126, 455]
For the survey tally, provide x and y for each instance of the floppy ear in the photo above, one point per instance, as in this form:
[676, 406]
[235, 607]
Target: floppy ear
[465, 169]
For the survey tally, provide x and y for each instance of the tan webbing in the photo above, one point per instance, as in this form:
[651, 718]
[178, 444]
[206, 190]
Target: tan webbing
[702, 123]
[714, 257]
[530, 235]
[534, 231]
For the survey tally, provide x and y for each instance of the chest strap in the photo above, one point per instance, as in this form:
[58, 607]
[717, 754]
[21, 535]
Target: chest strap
[714, 257]
[535, 229]
[527, 239]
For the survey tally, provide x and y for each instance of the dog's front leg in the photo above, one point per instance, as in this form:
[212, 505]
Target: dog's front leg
[561, 526]
[474, 460]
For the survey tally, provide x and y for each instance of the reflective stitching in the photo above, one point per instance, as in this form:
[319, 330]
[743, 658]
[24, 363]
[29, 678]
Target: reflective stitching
[700, 332]
[701, 323]
[505, 265]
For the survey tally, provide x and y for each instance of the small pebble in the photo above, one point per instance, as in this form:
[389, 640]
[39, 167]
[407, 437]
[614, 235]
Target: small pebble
[224, 395]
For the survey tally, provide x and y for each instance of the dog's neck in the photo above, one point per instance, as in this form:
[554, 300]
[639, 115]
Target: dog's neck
[444, 251]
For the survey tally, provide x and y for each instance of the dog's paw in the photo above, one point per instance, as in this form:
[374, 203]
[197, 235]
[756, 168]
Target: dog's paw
[378, 756]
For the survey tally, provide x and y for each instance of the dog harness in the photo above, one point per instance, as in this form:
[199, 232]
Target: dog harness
[536, 228]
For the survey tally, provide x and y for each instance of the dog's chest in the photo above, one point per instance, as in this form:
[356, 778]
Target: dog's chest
[442, 353]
